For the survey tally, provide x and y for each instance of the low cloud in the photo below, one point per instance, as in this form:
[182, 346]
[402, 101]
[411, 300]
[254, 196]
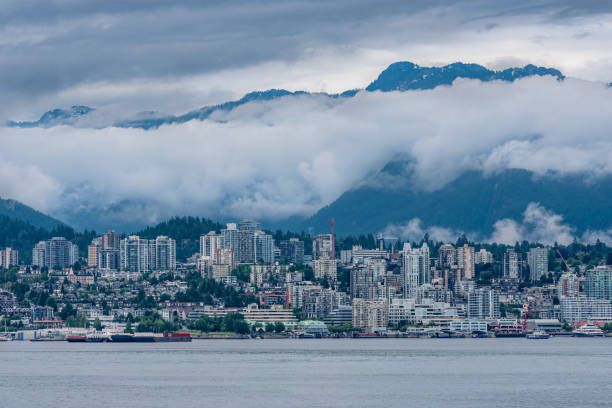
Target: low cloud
[536, 225]
[292, 156]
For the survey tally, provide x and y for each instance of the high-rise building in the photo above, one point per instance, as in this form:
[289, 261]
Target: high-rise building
[371, 315]
[104, 251]
[205, 266]
[225, 256]
[93, 252]
[411, 269]
[579, 308]
[162, 253]
[483, 304]
[209, 244]
[322, 246]
[8, 258]
[231, 240]
[56, 252]
[568, 285]
[465, 261]
[263, 246]
[325, 269]
[247, 240]
[538, 263]
[292, 250]
[362, 282]
[135, 254]
[483, 257]
[599, 283]
[512, 264]
[415, 269]
[111, 241]
[447, 256]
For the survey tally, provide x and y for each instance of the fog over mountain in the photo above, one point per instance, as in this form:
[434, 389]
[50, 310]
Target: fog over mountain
[123, 151]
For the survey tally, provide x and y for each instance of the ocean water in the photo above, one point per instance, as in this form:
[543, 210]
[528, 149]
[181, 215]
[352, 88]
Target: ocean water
[514, 372]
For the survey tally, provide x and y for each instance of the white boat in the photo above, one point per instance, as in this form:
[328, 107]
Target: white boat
[538, 335]
[588, 330]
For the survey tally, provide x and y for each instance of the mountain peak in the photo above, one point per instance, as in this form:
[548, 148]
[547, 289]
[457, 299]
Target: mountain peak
[403, 76]
[56, 117]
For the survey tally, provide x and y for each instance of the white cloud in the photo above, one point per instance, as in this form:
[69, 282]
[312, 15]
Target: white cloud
[413, 230]
[537, 225]
[291, 156]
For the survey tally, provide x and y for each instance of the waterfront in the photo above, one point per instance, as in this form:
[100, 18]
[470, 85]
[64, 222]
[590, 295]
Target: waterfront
[559, 372]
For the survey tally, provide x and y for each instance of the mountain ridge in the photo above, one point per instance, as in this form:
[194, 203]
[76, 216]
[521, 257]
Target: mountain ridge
[399, 76]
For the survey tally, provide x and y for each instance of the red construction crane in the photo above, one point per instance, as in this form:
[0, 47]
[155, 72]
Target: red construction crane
[525, 314]
[333, 252]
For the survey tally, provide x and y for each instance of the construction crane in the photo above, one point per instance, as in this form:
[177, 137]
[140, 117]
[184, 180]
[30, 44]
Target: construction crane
[525, 314]
[570, 270]
[382, 239]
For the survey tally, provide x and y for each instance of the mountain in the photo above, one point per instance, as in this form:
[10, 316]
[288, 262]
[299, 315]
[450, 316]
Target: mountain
[56, 117]
[471, 203]
[404, 76]
[18, 211]
[399, 76]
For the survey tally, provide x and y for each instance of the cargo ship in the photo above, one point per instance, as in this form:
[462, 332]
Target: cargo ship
[76, 339]
[149, 337]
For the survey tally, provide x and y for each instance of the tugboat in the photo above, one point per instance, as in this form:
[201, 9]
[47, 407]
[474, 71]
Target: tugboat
[538, 335]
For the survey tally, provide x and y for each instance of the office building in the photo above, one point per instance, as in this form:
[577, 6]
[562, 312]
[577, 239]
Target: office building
[360, 255]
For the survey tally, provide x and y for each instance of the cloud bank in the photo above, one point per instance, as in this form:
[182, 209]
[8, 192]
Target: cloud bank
[294, 155]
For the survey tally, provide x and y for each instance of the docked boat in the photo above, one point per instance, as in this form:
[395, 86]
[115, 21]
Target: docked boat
[538, 335]
[76, 339]
[174, 337]
[97, 338]
[149, 337]
[588, 330]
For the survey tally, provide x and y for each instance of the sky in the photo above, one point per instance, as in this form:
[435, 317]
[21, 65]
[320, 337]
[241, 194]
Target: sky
[295, 155]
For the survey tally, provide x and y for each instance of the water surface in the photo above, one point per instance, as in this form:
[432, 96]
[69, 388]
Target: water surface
[514, 372]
